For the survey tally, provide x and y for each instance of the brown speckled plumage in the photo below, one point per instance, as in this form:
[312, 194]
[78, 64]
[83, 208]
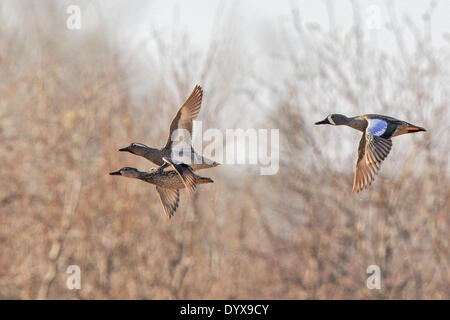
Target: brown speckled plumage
[168, 183]
[170, 179]
[182, 121]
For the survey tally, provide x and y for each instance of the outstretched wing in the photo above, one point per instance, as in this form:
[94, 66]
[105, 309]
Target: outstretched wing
[184, 171]
[188, 112]
[170, 198]
[372, 151]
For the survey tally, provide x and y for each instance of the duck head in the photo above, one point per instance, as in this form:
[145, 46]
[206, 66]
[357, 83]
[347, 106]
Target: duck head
[126, 172]
[334, 119]
[136, 148]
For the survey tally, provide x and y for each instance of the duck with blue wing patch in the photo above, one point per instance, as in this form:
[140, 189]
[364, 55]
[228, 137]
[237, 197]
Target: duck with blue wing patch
[375, 143]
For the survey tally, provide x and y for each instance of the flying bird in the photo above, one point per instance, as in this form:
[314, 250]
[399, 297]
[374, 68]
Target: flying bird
[168, 183]
[375, 143]
[182, 121]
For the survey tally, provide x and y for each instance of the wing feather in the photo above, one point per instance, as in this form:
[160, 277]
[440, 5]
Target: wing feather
[188, 112]
[185, 173]
[372, 151]
[170, 198]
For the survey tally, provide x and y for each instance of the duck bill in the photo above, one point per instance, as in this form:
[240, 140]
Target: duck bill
[125, 149]
[324, 121]
[115, 173]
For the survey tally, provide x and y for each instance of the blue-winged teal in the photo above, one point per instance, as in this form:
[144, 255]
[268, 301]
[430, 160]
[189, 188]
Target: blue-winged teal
[183, 120]
[375, 142]
[168, 183]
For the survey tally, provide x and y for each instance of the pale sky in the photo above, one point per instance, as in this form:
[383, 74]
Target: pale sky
[258, 26]
[199, 17]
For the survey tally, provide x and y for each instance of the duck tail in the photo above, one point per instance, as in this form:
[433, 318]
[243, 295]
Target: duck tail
[411, 128]
[201, 180]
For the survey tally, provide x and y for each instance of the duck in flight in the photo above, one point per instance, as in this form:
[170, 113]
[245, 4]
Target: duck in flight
[375, 143]
[182, 121]
[168, 183]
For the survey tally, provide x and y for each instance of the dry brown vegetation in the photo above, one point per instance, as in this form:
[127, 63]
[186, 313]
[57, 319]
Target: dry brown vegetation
[67, 105]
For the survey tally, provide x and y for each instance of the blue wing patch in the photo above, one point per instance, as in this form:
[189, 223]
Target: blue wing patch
[376, 127]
